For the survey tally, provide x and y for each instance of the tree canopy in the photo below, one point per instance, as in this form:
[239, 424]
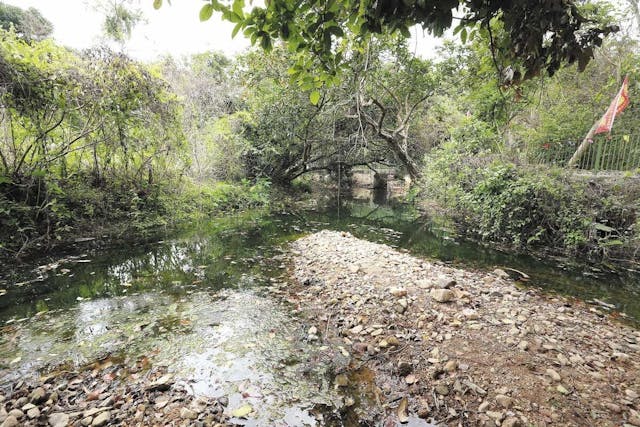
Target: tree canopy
[537, 35]
[28, 23]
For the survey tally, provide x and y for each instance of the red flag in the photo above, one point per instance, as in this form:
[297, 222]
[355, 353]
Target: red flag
[619, 103]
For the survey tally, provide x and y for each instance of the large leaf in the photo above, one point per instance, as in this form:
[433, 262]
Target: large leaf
[314, 97]
[206, 12]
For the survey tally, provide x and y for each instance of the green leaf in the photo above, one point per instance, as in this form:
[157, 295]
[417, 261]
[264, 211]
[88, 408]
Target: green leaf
[206, 12]
[602, 227]
[314, 97]
[157, 4]
[463, 35]
[236, 29]
[237, 7]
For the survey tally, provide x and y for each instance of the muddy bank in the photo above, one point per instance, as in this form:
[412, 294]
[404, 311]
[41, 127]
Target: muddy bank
[457, 347]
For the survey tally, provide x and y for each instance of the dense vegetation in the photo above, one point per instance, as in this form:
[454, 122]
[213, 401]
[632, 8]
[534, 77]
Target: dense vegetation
[94, 138]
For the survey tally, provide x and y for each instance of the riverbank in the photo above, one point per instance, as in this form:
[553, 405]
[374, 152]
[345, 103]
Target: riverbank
[455, 346]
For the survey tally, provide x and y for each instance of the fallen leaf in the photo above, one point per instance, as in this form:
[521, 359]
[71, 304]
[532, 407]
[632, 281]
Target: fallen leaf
[403, 415]
[242, 411]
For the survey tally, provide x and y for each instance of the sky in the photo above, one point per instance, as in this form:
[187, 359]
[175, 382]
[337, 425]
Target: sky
[173, 29]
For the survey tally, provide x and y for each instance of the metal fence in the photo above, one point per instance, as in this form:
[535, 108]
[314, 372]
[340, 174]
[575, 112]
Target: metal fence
[619, 153]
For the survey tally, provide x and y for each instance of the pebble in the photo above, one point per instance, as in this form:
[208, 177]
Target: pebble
[523, 345]
[511, 422]
[631, 394]
[33, 413]
[398, 292]
[442, 390]
[102, 419]
[404, 368]
[38, 395]
[496, 415]
[17, 413]
[451, 366]
[163, 383]
[442, 295]
[504, 401]
[356, 329]
[188, 414]
[10, 421]
[58, 419]
[634, 420]
[555, 376]
[562, 389]
[612, 407]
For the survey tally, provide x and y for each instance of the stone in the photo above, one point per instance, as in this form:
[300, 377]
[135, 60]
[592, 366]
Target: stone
[631, 394]
[442, 295]
[445, 283]
[163, 383]
[511, 422]
[451, 366]
[28, 406]
[38, 395]
[634, 420]
[496, 415]
[576, 359]
[484, 406]
[410, 379]
[312, 331]
[504, 401]
[33, 413]
[404, 368]
[16, 413]
[393, 341]
[501, 273]
[612, 407]
[58, 419]
[523, 345]
[10, 421]
[555, 376]
[619, 356]
[562, 359]
[562, 389]
[442, 390]
[101, 419]
[398, 292]
[356, 329]
[470, 314]
[188, 414]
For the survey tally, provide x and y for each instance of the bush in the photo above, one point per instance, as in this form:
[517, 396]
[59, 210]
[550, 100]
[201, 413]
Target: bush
[529, 208]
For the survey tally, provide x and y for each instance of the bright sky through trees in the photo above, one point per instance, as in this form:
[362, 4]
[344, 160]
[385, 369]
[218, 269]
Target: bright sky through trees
[173, 29]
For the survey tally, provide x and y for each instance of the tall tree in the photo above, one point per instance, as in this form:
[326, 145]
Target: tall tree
[28, 23]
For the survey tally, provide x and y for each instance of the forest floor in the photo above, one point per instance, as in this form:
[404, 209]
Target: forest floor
[459, 347]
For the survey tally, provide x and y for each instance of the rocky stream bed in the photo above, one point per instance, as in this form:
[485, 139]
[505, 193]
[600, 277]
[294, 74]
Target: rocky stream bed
[376, 337]
[457, 347]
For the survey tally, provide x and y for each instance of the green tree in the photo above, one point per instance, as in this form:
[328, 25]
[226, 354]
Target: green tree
[28, 23]
[540, 35]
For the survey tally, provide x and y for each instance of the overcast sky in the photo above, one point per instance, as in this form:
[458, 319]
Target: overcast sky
[174, 29]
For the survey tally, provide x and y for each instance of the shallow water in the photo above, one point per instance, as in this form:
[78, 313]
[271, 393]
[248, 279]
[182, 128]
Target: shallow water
[194, 301]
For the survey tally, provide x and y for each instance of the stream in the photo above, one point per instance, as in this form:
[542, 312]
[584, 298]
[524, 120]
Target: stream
[196, 302]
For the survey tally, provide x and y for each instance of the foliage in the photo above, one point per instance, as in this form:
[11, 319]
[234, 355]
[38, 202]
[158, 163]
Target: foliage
[541, 35]
[120, 18]
[27, 23]
[84, 137]
[526, 208]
